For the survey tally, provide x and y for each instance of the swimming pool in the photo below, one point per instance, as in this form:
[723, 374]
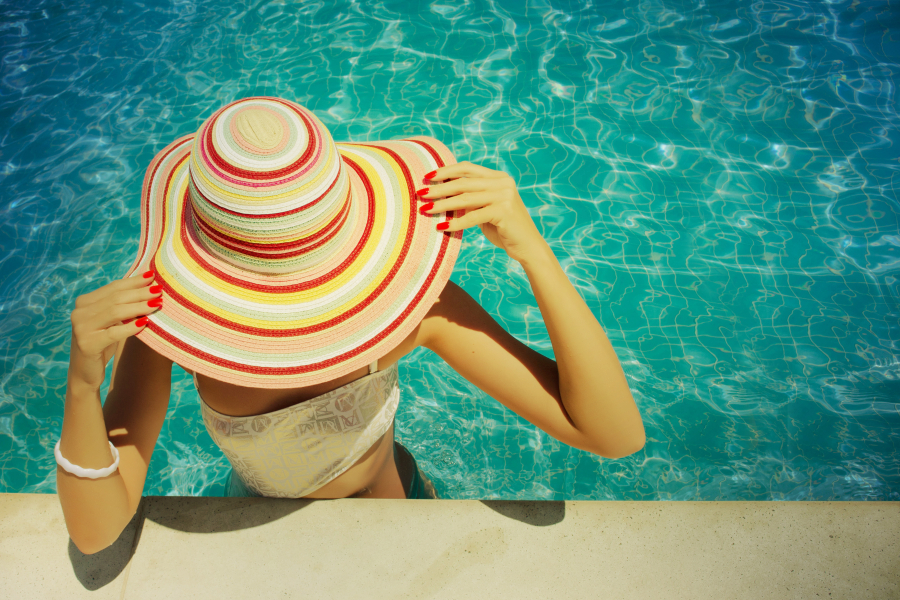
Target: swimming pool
[719, 180]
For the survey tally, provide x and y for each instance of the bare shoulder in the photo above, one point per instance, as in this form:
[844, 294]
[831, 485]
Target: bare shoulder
[453, 306]
[469, 339]
[450, 295]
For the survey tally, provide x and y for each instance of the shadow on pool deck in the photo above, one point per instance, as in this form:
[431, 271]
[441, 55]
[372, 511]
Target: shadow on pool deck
[95, 571]
[540, 514]
[218, 515]
[201, 515]
[374, 549]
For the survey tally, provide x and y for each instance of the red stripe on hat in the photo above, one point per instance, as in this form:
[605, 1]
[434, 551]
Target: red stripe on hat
[269, 215]
[256, 175]
[238, 244]
[308, 244]
[147, 197]
[275, 371]
[440, 163]
[432, 151]
[209, 316]
[297, 287]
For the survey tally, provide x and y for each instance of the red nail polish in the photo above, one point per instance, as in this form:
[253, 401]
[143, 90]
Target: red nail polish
[443, 226]
[425, 207]
[422, 192]
[148, 274]
[155, 289]
[155, 302]
[142, 321]
[430, 175]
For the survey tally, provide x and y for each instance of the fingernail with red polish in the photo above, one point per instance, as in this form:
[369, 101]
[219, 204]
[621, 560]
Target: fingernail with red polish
[430, 175]
[425, 207]
[422, 192]
[155, 302]
[148, 274]
[443, 226]
[142, 321]
[155, 289]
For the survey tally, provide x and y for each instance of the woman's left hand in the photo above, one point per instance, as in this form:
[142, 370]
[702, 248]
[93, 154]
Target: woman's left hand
[491, 201]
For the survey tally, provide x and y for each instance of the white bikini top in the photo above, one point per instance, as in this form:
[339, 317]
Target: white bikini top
[292, 452]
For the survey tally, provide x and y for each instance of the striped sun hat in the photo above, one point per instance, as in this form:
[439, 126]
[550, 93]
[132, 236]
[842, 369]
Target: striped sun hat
[287, 259]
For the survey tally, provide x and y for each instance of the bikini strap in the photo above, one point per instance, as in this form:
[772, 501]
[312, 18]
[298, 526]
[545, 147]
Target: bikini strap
[373, 367]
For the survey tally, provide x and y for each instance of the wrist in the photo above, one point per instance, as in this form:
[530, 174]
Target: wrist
[85, 375]
[77, 389]
[539, 256]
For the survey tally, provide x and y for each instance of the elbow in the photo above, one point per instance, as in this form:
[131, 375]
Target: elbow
[91, 540]
[96, 541]
[634, 448]
[91, 546]
[620, 450]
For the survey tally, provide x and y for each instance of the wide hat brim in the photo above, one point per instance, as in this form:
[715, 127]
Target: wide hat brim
[309, 327]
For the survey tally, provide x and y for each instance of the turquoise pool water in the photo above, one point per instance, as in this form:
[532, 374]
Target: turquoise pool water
[719, 180]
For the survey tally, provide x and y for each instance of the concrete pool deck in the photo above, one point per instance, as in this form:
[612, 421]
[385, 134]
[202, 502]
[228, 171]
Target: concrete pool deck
[346, 549]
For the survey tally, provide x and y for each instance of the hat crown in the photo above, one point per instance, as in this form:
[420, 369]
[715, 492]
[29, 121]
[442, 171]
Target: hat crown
[260, 128]
[268, 189]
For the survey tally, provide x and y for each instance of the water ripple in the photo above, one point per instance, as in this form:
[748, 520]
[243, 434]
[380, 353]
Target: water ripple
[717, 178]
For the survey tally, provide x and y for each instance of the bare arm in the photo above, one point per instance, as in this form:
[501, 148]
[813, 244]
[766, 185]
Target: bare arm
[583, 399]
[96, 510]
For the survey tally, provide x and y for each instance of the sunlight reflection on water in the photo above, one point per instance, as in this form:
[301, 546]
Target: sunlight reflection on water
[717, 179]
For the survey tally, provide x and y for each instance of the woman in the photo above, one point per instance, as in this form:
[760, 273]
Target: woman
[290, 274]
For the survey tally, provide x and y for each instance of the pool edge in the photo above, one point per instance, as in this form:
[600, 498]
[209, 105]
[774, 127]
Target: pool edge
[226, 547]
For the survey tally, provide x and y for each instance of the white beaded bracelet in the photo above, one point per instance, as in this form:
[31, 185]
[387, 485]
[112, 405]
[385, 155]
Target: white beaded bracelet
[88, 473]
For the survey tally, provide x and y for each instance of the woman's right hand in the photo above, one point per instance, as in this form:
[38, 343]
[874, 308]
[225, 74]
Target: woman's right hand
[105, 317]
